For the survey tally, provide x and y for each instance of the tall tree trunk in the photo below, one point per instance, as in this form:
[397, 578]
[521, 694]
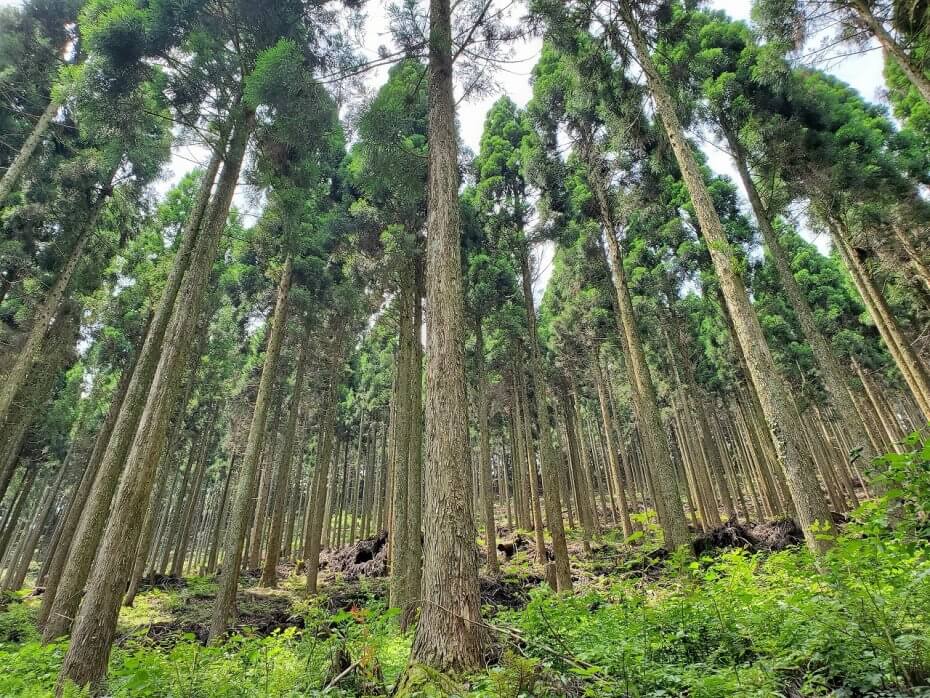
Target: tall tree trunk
[11, 176]
[550, 469]
[831, 373]
[16, 507]
[28, 354]
[668, 497]
[814, 516]
[224, 607]
[95, 625]
[220, 517]
[414, 557]
[612, 464]
[908, 65]
[484, 454]
[317, 499]
[270, 571]
[60, 605]
[448, 635]
[403, 426]
[180, 551]
[906, 359]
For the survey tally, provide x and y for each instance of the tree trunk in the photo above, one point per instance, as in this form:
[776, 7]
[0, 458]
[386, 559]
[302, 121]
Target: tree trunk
[270, 571]
[832, 374]
[612, 463]
[484, 455]
[549, 467]
[448, 635]
[414, 556]
[28, 354]
[317, 499]
[59, 607]
[908, 65]
[95, 625]
[669, 508]
[11, 176]
[814, 516]
[913, 371]
[237, 528]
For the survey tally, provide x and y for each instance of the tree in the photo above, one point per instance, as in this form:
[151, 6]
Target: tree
[448, 635]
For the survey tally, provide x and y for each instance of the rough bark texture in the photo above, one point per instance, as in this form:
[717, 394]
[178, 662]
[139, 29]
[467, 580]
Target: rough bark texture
[832, 374]
[814, 516]
[95, 625]
[669, 508]
[62, 604]
[236, 530]
[448, 634]
[400, 449]
[269, 572]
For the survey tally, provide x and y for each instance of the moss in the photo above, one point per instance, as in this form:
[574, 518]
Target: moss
[421, 681]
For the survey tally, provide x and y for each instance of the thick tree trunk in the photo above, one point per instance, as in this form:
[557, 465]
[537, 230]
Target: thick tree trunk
[237, 528]
[95, 625]
[449, 635]
[814, 516]
[60, 607]
[400, 449]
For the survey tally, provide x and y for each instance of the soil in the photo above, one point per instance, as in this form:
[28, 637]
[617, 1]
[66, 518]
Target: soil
[766, 536]
[365, 558]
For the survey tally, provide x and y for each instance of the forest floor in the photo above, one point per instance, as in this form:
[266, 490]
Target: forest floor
[743, 619]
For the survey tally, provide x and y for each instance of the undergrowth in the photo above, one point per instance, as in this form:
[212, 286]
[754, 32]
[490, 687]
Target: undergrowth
[856, 623]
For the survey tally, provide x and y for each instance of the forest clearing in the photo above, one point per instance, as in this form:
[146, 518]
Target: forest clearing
[475, 348]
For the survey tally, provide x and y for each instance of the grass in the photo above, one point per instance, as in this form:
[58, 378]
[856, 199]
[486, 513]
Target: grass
[734, 624]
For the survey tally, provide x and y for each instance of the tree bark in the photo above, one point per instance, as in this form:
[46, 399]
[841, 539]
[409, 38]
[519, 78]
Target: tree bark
[59, 607]
[270, 571]
[448, 635]
[484, 454]
[317, 499]
[237, 528]
[549, 467]
[95, 625]
[832, 374]
[11, 176]
[669, 508]
[814, 516]
[908, 65]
